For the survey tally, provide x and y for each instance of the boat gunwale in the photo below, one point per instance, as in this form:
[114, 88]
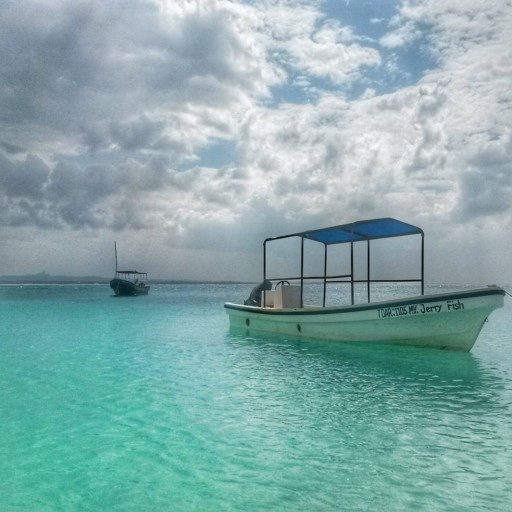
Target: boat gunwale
[327, 310]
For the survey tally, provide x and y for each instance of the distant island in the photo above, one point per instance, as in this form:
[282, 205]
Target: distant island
[44, 278]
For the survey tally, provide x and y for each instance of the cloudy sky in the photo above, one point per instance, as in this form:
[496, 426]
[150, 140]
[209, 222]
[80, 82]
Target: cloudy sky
[189, 131]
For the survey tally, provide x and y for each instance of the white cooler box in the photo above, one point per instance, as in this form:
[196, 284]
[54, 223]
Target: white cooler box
[287, 296]
[268, 298]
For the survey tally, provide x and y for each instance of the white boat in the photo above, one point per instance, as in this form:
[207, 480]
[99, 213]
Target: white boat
[444, 320]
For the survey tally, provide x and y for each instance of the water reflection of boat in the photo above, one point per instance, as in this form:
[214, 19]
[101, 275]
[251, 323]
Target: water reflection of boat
[129, 282]
[359, 363]
[450, 320]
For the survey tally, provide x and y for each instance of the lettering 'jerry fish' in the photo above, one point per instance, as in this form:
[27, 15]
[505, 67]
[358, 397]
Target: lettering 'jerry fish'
[454, 305]
[430, 309]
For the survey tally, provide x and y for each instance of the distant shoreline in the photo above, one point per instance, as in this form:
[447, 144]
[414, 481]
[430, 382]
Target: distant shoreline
[36, 280]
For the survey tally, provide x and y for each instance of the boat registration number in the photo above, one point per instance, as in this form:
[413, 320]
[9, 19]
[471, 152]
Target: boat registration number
[420, 309]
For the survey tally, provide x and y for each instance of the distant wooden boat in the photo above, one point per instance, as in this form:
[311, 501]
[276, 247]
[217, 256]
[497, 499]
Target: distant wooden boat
[445, 320]
[129, 282]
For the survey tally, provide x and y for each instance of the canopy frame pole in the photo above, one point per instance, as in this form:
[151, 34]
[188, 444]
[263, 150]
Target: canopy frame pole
[368, 268]
[352, 272]
[325, 273]
[301, 271]
[422, 264]
[264, 270]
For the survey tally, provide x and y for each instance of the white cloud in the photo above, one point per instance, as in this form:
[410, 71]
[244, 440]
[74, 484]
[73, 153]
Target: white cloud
[305, 41]
[406, 33]
[105, 109]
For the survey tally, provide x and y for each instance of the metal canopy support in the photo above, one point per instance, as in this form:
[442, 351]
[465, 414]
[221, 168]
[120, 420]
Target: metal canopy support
[422, 264]
[301, 271]
[264, 270]
[352, 271]
[325, 272]
[368, 268]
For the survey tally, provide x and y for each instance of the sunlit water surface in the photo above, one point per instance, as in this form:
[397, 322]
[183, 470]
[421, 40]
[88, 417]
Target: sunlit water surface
[151, 404]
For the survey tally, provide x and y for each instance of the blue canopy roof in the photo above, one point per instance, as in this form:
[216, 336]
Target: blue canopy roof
[359, 231]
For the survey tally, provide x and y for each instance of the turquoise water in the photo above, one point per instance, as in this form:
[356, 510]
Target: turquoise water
[150, 404]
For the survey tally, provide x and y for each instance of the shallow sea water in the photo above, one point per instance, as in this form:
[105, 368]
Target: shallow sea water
[151, 404]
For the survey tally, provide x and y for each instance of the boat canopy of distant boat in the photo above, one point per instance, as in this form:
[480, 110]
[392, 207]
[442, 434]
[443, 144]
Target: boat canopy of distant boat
[443, 320]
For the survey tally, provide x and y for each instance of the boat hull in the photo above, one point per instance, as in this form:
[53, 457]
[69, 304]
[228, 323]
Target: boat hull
[448, 321]
[123, 287]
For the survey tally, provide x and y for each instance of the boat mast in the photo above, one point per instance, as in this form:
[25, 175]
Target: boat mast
[115, 251]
